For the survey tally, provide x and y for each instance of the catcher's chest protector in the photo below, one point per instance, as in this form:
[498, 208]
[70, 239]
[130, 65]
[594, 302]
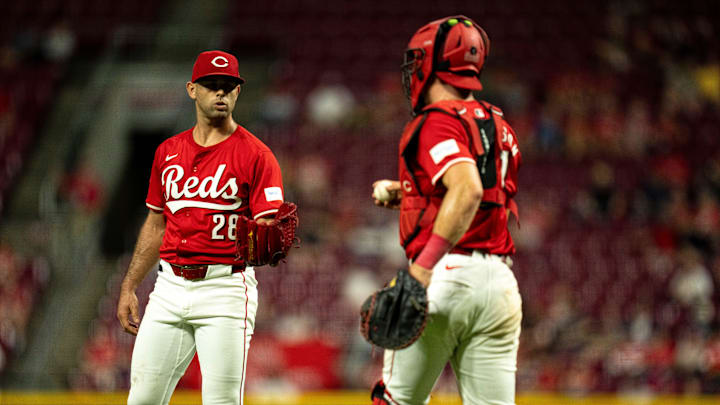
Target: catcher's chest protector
[495, 150]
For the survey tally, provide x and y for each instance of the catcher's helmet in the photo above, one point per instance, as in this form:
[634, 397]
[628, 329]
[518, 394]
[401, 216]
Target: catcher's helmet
[452, 48]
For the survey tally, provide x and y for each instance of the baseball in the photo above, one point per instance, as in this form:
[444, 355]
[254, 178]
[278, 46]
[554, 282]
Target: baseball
[380, 192]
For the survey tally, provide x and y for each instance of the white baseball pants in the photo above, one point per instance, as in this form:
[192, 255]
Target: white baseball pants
[214, 316]
[475, 314]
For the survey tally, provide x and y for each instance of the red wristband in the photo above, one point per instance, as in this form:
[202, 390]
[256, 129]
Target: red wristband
[434, 250]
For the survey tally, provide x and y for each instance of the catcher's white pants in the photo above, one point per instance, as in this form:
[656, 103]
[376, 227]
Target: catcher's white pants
[475, 314]
[216, 316]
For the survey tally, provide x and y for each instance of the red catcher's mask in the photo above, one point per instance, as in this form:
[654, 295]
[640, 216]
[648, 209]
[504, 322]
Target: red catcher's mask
[452, 48]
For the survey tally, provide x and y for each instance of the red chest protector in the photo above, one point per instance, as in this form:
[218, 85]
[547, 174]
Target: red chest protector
[493, 143]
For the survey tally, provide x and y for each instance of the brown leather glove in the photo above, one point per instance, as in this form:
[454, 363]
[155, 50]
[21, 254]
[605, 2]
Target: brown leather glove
[261, 244]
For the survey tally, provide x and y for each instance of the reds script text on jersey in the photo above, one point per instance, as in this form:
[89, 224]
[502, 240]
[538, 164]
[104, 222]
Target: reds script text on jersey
[204, 190]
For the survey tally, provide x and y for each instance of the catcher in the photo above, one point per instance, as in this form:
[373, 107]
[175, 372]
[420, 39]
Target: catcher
[459, 301]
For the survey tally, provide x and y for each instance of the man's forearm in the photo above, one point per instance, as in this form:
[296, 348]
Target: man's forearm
[456, 213]
[453, 220]
[146, 254]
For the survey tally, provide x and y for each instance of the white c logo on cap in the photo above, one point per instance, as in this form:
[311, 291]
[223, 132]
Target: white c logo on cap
[223, 61]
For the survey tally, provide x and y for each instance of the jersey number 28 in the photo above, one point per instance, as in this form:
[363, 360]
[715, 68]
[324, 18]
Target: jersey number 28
[219, 219]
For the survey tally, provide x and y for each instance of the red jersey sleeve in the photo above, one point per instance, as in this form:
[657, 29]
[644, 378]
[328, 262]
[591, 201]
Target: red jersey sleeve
[266, 191]
[155, 199]
[443, 142]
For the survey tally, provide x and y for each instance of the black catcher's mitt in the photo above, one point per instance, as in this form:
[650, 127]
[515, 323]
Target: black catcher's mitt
[395, 317]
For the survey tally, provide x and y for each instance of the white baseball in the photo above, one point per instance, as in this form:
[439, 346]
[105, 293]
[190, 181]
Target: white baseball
[380, 192]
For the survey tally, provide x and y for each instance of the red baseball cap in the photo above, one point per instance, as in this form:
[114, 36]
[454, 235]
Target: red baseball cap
[216, 63]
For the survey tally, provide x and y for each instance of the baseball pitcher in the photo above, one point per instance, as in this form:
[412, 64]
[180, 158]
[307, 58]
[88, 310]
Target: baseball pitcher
[216, 210]
[459, 301]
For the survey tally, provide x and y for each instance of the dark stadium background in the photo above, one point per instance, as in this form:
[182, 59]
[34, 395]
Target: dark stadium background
[617, 109]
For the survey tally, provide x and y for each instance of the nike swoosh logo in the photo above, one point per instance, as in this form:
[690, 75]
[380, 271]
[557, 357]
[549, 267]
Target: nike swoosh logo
[451, 267]
[169, 157]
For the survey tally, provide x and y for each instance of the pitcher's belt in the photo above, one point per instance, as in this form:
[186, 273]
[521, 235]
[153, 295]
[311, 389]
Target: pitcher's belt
[197, 271]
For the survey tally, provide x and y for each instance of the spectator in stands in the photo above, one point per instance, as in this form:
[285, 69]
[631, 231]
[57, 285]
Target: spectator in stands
[279, 105]
[603, 200]
[330, 103]
[692, 287]
[638, 129]
[82, 189]
[690, 360]
[22, 280]
[59, 42]
[101, 356]
[548, 131]
[712, 362]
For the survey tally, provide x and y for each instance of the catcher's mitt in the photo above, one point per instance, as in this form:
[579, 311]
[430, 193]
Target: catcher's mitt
[261, 244]
[395, 317]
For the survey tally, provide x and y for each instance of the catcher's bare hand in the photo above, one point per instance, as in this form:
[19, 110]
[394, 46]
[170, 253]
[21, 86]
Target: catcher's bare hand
[395, 190]
[421, 274]
[127, 312]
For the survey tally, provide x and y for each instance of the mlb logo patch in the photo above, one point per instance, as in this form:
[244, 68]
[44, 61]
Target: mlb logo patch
[443, 149]
[273, 194]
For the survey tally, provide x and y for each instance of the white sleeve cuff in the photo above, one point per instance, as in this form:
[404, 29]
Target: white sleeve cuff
[154, 208]
[447, 166]
[262, 214]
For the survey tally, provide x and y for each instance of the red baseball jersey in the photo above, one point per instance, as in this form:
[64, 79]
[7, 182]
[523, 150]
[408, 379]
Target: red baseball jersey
[443, 141]
[202, 191]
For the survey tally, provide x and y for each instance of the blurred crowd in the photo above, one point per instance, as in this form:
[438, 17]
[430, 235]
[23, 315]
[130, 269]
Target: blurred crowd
[620, 219]
[37, 45]
[629, 225]
[618, 259]
[24, 99]
[24, 279]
